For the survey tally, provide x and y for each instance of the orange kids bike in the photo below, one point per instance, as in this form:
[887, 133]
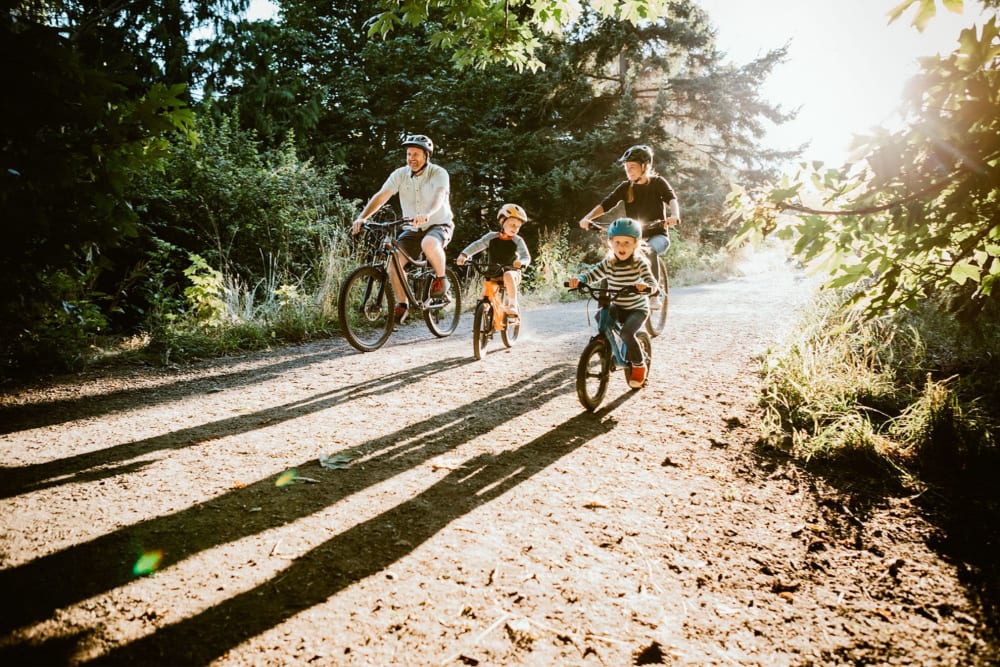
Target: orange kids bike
[490, 315]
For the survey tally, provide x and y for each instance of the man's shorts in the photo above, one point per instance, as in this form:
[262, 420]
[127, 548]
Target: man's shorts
[410, 239]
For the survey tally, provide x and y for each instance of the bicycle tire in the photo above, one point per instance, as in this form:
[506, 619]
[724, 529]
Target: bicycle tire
[657, 319]
[444, 320]
[482, 328]
[510, 332]
[592, 374]
[365, 308]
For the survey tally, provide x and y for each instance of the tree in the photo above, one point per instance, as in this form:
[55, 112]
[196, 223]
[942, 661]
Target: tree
[509, 32]
[98, 89]
[919, 216]
[548, 139]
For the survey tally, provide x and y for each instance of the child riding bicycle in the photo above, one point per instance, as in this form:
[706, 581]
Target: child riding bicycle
[623, 267]
[506, 249]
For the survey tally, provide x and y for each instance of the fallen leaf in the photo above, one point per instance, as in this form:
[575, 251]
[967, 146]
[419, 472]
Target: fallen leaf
[336, 461]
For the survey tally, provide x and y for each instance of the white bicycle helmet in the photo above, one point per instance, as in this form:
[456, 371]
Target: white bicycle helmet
[512, 211]
[420, 141]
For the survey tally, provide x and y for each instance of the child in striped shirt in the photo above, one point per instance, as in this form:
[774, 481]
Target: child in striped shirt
[623, 267]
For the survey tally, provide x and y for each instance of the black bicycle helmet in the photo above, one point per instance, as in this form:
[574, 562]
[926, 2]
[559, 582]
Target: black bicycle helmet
[420, 141]
[640, 153]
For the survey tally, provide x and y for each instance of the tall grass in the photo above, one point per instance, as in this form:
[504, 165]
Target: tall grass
[912, 396]
[226, 315]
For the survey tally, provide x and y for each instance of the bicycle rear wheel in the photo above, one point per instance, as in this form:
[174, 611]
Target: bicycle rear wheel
[592, 373]
[365, 308]
[658, 318]
[482, 328]
[442, 320]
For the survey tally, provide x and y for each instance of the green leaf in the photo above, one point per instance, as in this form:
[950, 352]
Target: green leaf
[965, 271]
[924, 14]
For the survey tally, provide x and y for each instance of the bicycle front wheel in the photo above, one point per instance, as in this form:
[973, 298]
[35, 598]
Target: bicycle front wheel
[510, 332]
[592, 373]
[658, 318]
[482, 328]
[442, 320]
[365, 308]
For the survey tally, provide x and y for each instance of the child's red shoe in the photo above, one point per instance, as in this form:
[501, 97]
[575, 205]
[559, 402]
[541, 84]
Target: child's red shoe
[637, 377]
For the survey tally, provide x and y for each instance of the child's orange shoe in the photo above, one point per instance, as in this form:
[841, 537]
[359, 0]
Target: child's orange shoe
[637, 376]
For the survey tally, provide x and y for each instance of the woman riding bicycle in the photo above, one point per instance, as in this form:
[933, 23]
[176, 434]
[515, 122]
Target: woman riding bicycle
[623, 267]
[505, 248]
[646, 196]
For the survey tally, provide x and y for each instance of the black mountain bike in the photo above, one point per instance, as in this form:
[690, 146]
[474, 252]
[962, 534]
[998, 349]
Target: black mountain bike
[367, 302]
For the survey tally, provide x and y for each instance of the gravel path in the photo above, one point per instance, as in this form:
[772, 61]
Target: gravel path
[479, 516]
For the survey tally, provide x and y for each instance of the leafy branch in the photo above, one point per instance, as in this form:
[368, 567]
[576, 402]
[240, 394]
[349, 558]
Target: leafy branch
[508, 32]
[919, 216]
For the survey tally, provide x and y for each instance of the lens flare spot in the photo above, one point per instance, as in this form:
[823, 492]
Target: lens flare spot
[285, 478]
[147, 563]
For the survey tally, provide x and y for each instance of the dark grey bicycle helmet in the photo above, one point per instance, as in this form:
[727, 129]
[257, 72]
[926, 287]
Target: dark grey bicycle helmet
[640, 153]
[420, 141]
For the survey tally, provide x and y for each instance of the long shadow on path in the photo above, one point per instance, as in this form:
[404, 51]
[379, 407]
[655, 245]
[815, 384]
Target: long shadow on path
[35, 590]
[100, 464]
[14, 418]
[359, 552]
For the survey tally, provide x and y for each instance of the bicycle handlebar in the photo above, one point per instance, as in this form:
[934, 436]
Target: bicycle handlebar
[605, 292]
[484, 266]
[372, 224]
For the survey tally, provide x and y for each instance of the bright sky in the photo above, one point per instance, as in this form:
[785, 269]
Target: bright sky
[260, 9]
[846, 65]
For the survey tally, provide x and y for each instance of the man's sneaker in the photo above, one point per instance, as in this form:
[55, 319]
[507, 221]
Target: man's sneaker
[402, 310]
[439, 288]
[637, 376]
[655, 303]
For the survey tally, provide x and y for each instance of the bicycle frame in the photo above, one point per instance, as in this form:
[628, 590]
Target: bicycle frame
[409, 277]
[366, 298]
[611, 329]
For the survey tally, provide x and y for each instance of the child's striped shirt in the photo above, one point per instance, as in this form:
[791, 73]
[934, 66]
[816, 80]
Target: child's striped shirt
[624, 274]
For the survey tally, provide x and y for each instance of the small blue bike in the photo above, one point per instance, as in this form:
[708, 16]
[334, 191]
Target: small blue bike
[605, 352]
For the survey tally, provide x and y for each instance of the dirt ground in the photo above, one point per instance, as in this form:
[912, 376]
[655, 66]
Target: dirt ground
[473, 514]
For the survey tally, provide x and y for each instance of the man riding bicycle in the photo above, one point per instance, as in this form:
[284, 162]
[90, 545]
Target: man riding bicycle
[423, 190]
[646, 196]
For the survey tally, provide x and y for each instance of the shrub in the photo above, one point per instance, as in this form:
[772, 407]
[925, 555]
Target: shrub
[908, 391]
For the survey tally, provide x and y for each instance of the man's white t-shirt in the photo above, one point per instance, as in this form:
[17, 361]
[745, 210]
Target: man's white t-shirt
[416, 193]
